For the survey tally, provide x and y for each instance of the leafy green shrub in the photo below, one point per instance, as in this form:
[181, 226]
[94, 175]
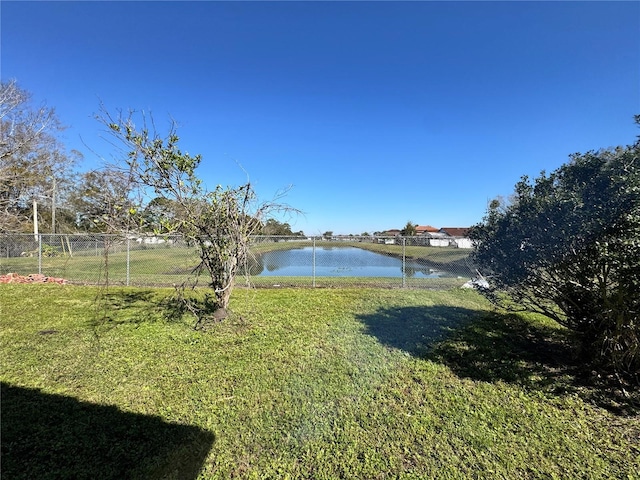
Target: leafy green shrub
[50, 250]
[568, 246]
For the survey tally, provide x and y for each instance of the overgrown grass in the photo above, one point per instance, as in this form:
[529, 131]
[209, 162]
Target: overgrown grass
[298, 383]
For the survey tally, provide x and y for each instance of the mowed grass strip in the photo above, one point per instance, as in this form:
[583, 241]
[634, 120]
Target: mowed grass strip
[297, 383]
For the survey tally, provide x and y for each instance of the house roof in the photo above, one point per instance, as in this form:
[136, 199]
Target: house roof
[455, 231]
[425, 229]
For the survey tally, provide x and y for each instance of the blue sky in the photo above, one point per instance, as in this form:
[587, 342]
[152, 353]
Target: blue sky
[375, 112]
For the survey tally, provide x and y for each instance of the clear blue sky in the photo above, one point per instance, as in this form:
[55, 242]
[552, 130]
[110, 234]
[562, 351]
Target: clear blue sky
[376, 112]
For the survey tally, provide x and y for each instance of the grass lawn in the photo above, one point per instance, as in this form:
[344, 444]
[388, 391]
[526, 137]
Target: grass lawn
[297, 383]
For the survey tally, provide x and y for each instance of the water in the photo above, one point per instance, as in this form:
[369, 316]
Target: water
[339, 262]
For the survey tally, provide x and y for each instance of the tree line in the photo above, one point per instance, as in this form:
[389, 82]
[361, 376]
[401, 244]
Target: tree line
[39, 175]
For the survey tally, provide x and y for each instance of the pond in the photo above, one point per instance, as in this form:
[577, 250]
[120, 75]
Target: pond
[338, 262]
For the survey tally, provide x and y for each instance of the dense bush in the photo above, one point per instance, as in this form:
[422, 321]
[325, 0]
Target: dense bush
[567, 245]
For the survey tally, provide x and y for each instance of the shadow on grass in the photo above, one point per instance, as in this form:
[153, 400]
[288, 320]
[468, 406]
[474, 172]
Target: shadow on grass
[415, 330]
[492, 347]
[113, 306]
[53, 436]
[118, 306]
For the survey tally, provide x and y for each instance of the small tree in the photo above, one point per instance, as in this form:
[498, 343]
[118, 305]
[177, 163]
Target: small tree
[218, 222]
[568, 246]
[409, 229]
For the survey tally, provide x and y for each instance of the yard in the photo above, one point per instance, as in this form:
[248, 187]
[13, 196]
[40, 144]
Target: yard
[298, 383]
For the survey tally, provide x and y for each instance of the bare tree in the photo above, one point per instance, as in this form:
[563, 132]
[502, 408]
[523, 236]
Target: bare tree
[33, 162]
[219, 221]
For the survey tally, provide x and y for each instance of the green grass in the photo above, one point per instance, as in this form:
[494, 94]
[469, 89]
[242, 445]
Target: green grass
[351, 282]
[154, 266]
[440, 255]
[297, 383]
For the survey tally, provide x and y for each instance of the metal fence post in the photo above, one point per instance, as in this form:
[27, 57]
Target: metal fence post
[128, 262]
[39, 254]
[313, 263]
[404, 262]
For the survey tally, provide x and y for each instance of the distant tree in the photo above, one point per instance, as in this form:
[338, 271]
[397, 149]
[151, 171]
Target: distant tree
[567, 246]
[219, 222]
[274, 227]
[364, 234]
[409, 229]
[157, 214]
[107, 201]
[34, 164]
[328, 234]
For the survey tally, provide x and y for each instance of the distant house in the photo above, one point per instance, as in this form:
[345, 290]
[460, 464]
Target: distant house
[422, 229]
[438, 239]
[152, 240]
[432, 236]
[394, 232]
[460, 236]
[455, 231]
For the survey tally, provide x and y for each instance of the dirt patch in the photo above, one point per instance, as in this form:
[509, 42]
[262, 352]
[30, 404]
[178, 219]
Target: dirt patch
[32, 278]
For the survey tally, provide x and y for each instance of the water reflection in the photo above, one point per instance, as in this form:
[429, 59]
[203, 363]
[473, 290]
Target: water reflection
[337, 262]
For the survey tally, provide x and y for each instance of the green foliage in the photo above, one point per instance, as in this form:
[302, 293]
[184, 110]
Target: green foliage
[160, 215]
[568, 246]
[50, 251]
[274, 227]
[409, 229]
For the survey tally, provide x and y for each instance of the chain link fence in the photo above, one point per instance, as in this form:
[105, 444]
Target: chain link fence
[400, 262]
